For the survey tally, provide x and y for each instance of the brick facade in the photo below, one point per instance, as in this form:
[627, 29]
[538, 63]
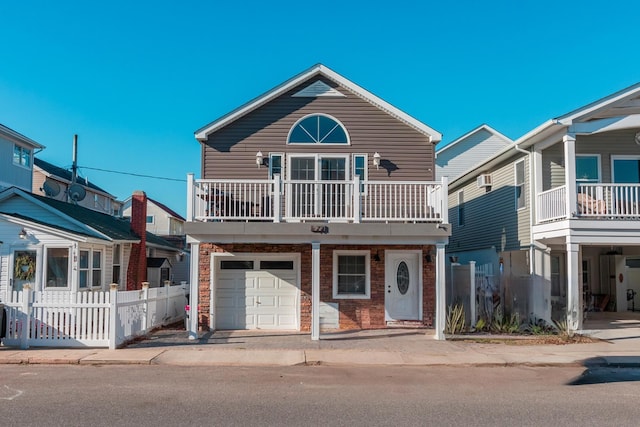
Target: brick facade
[354, 313]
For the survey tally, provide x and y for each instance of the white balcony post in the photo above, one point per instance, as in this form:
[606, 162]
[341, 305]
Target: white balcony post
[574, 314]
[357, 209]
[440, 292]
[193, 291]
[444, 197]
[569, 141]
[536, 182]
[190, 199]
[315, 291]
[277, 203]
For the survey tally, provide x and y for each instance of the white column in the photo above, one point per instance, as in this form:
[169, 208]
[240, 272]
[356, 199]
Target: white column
[574, 315]
[193, 291]
[440, 292]
[570, 173]
[445, 201]
[536, 182]
[277, 196]
[357, 209]
[315, 291]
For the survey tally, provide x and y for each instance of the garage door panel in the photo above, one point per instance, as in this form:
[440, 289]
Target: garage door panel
[250, 299]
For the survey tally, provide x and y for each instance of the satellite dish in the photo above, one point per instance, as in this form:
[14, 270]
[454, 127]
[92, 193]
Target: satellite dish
[77, 192]
[51, 188]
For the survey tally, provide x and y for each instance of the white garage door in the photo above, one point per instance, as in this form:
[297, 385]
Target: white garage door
[250, 296]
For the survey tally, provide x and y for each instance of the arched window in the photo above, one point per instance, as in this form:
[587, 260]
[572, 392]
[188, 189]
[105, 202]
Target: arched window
[318, 129]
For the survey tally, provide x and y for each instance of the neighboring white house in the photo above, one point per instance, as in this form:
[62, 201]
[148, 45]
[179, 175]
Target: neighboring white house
[559, 221]
[470, 150]
[16, 159]
[54, 245]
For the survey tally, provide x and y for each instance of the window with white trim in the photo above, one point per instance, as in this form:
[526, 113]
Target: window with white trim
[89, 269]
[588, 168]
[519, 184]
[351, 275]
[318, 129]
[21, 156]
[57, 267]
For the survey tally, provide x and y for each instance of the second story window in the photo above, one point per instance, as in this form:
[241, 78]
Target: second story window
[587, 168]
[318, 129]
[21, 156]
[519, 185]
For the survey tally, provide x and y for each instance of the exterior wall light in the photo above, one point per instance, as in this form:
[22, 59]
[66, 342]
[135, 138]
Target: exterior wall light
[376, 160]
[259, 158]
[22, 234]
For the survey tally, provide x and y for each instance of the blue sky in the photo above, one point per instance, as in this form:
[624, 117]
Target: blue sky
[135, 79]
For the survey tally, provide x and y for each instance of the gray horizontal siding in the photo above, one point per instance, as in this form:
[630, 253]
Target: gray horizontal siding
[491, 218]
[230, 152]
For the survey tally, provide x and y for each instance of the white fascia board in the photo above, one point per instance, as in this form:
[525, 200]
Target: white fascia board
[472, 132]
[202, 133]
[584, 112]
[54, 211]
[606, 125]
[15, 136]
[46, 229]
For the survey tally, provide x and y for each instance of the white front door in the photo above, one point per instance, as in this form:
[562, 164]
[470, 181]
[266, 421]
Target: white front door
[402, 285]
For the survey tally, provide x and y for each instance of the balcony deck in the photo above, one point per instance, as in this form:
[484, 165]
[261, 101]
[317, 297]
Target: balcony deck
[606, 202]
[276, 200]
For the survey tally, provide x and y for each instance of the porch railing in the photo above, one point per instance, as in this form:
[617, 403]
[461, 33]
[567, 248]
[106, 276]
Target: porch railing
[595, 201]
[277, 200]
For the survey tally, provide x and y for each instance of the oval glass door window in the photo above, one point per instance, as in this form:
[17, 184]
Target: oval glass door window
[402, 277]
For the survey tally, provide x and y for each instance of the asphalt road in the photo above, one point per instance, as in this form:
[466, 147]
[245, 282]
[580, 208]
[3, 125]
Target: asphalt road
[316, 396]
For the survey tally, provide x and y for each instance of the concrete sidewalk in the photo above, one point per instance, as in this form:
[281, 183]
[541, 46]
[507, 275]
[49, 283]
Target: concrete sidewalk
[366, 348]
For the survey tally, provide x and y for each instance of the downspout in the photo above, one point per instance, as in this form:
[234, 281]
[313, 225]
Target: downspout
[531, 204]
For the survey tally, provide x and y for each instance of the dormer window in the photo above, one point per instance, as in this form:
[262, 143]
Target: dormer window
[318, 129]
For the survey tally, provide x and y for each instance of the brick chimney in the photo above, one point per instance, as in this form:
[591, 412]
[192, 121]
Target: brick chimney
[137, 271]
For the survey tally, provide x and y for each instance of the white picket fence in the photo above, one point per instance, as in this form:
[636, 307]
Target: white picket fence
[89, 319]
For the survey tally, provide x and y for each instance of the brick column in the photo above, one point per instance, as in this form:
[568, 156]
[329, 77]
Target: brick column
[137, 270]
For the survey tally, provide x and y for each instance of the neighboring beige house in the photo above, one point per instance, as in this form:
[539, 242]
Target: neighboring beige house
[16, 159]
[317, 208]
[559, 220]
[161, 219]
[57, 183]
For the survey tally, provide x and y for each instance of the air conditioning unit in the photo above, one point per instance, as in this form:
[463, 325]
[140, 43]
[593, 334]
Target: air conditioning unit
[484, 180]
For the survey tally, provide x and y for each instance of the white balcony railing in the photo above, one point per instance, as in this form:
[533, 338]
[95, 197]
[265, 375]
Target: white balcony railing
[552, 204]
[595, 201]
[279, 200]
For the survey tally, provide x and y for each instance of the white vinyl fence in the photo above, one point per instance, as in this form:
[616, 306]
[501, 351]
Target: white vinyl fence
[89, 319]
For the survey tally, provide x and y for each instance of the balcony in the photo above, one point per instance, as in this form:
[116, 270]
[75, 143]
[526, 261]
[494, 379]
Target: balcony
[277, 200]
[593, 201]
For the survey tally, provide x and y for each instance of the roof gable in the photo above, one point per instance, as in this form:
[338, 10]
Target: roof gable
[13, 135]
[310, 74]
